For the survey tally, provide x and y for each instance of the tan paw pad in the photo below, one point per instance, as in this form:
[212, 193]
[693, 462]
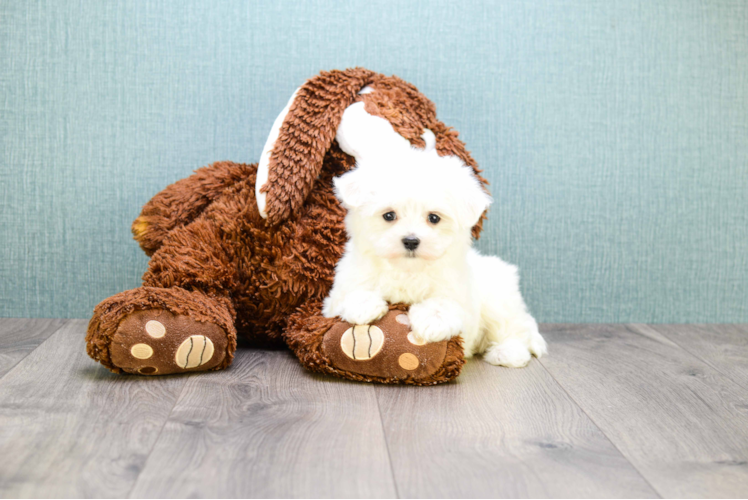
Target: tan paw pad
[141, 351]
[195, 351]
[414, 340]
[362, 342]
[403, 319]
[408, 361]
[155, 329]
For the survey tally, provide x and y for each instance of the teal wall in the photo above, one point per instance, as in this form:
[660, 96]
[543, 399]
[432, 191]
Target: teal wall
[614, 134]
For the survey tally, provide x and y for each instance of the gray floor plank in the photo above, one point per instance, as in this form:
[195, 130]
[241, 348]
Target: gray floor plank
[678, 420]
[69, 428]
[725, 347]
[500, 432]
[20, 336]
[640, 410]
[267, 428]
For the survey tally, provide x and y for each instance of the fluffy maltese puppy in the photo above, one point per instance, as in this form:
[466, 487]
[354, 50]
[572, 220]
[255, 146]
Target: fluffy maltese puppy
[409, 223]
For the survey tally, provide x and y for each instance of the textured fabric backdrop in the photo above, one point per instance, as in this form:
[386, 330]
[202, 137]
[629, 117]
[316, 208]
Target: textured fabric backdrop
[614, 134]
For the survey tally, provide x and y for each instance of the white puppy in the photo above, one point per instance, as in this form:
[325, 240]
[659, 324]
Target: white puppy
[409, 222]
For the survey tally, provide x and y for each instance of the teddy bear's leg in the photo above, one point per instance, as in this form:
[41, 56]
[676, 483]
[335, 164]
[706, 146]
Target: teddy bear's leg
[158, 331]
[383, 352]
[182, 202]
[182, 318]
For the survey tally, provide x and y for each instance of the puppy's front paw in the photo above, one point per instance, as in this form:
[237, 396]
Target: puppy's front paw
[362, 308]
[435, 320]
[512, 353]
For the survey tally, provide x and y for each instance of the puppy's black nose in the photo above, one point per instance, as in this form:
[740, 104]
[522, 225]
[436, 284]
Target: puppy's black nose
[411, 242]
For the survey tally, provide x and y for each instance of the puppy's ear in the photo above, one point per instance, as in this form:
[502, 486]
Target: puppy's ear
[471, 198]
[351, 189]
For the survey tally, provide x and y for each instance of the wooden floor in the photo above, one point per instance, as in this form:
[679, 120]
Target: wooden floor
[614, 411]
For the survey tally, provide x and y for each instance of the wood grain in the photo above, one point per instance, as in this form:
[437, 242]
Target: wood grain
[724, 347]
[69, 428]
[20, 336]
[267, 428]
[679, 421]
[500, 432]
[614, 411]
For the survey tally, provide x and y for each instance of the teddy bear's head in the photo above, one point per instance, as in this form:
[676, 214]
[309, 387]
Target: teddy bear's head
[361, 113]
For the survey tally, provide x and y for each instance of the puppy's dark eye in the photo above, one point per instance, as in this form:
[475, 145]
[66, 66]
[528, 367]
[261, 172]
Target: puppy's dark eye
[434, 219]
[389, 216]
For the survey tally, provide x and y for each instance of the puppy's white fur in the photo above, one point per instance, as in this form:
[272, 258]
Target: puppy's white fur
[451, 288]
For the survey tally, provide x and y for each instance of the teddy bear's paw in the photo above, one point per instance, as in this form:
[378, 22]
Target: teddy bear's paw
[385, 349]
[158, 342]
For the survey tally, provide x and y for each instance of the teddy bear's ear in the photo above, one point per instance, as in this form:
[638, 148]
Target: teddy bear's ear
[295, 150]
[474, 199]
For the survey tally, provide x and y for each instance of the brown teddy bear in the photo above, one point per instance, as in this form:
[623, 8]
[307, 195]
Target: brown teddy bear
[251, 249]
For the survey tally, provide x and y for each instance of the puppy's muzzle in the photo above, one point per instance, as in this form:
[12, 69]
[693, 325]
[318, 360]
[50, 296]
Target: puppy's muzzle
[411, 243]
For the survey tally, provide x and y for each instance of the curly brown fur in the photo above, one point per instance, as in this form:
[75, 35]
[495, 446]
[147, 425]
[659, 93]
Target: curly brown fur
[228, 249]
[181, 202]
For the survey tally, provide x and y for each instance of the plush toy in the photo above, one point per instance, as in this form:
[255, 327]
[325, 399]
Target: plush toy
[251, 250]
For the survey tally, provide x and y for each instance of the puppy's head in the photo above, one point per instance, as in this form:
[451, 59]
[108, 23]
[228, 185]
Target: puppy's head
[415, 206]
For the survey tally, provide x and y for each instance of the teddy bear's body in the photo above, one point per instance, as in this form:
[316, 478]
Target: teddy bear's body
[224, 263]
[267, 274]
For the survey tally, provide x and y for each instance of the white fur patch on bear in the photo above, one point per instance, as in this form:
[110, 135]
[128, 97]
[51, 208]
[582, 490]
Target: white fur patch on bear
[361, 134]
